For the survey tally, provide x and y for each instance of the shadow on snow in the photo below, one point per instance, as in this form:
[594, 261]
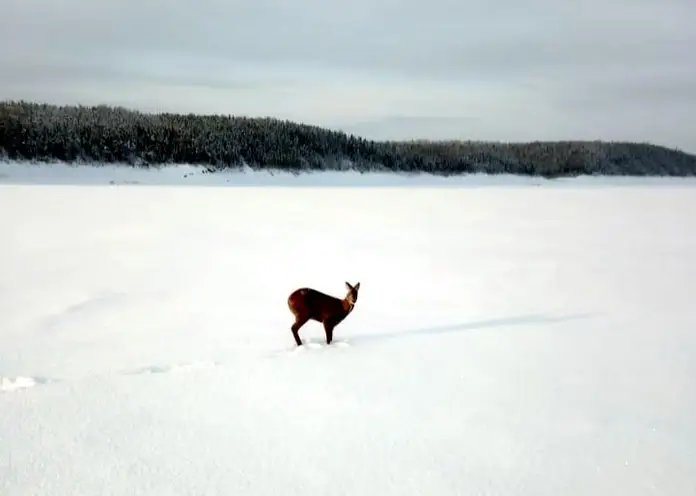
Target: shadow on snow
[521, 320]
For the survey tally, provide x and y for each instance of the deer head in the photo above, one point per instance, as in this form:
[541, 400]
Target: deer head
[352, 295]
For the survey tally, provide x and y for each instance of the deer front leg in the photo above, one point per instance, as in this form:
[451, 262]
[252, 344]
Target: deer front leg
[328, 329]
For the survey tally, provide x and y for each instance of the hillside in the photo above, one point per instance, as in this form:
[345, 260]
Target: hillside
[41, 132]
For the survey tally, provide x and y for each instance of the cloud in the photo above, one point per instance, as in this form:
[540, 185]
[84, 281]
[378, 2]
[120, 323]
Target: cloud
[541, 69]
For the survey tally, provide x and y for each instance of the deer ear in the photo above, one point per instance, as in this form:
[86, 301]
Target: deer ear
[348, 285]
[356, 287]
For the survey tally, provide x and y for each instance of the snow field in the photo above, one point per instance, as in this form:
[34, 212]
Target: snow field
[506, 340]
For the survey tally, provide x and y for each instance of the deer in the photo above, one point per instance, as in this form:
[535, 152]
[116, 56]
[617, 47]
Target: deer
[309, 304]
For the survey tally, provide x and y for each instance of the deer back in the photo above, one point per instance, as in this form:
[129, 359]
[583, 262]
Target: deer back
[313, 304]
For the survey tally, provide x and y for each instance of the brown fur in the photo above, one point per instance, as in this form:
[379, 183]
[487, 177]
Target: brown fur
[309, 304]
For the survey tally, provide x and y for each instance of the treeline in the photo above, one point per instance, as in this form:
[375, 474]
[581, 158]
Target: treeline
[102, 134]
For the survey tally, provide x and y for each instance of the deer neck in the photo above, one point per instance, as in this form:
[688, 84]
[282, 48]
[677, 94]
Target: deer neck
[347, 305]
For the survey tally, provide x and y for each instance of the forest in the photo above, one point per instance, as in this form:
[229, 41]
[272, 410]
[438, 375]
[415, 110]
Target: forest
[102, 134]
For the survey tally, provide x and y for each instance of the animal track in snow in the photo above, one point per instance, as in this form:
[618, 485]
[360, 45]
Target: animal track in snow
[93, 305]
[181, 367]
[311, 347]
[317, 345]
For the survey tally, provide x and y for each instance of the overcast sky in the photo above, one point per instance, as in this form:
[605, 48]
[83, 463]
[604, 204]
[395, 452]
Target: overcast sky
[464, 69]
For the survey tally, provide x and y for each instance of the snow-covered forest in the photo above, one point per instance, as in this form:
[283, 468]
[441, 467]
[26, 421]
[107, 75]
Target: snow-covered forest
[102, 134]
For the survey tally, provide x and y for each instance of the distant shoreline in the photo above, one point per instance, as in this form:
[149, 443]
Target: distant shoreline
[98, 135]
[25, 173]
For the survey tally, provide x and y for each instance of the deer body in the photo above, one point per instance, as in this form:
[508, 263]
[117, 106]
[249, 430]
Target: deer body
[309, 304]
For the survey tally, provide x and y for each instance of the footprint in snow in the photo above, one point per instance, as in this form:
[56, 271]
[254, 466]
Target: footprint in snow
[311, 346]
[181, 367]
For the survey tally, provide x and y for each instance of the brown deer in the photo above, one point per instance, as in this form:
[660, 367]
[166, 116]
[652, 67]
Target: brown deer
[309, 304]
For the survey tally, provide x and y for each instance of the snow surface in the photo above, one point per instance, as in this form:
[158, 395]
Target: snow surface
[507, 340]
[184, 174]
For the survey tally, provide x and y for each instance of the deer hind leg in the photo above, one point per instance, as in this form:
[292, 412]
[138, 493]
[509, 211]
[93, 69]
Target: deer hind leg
[299, 322]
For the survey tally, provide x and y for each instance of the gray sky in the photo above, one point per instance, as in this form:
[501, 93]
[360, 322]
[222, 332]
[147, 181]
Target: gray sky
[453, 69]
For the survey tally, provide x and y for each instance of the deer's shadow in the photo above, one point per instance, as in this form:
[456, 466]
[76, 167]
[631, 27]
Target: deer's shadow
[520, 320]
